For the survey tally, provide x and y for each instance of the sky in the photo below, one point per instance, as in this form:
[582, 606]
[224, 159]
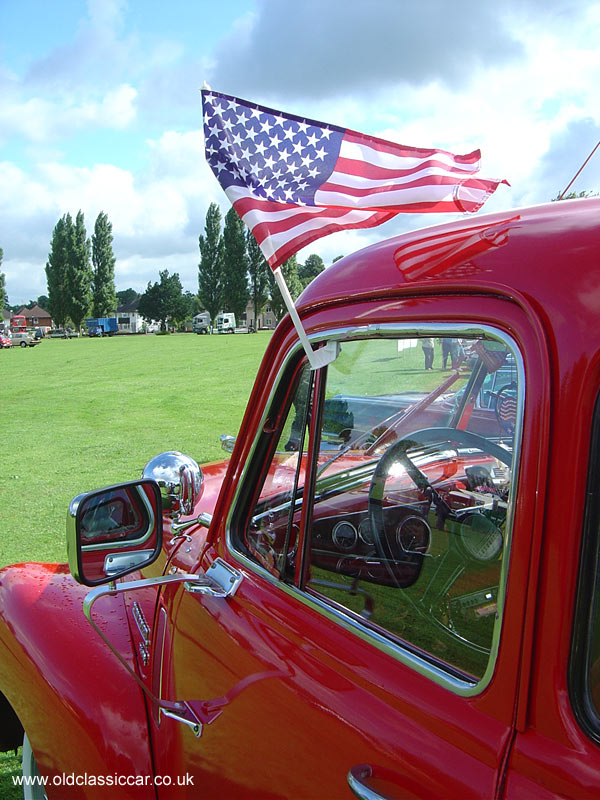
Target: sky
[100, 108]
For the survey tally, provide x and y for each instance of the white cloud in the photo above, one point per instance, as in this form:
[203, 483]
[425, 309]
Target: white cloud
[43, 120]
[156, 216]
[494, 76]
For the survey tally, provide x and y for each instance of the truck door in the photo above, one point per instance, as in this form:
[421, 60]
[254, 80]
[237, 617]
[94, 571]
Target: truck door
[373, 644]
[557, 747]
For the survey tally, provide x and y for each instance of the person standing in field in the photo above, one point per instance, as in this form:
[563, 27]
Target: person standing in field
[427, 345]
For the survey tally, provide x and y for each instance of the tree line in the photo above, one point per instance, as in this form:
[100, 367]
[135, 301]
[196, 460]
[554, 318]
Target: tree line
[80, 275]
[233, 270]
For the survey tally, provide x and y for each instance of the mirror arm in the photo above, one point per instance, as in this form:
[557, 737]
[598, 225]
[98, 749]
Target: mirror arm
[191, 714]
[204, 519]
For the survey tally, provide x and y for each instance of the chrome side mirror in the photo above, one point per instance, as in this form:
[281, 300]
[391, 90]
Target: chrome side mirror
[114, 531]
[180, 480]
[227, 442]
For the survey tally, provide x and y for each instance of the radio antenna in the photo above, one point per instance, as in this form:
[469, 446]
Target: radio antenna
[563, 193]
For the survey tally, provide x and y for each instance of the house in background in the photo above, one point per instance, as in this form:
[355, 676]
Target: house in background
[128, 318]
[36, 317]
[5, 320]
[266, 318]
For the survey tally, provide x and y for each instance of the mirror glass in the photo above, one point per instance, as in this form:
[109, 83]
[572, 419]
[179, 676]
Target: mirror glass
[117, 530]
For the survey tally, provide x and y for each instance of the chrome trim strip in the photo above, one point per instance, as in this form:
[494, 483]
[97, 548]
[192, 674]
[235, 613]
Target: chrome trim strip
[444, 678]
[140, 621]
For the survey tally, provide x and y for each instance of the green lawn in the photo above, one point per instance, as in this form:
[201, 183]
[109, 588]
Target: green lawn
[84, 413]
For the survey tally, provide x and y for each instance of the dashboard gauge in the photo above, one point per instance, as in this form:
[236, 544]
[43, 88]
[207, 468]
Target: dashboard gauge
[365, 532]
[413, 534]
[480, 539]
[344, 535]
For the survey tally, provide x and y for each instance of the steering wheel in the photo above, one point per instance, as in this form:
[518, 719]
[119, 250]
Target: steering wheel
[398, 453]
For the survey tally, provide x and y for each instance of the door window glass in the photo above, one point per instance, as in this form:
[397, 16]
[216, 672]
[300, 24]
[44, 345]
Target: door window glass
[409, 528]
[272, 535]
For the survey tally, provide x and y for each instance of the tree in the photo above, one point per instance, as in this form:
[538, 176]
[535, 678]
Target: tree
[289, 269]
[235, 265]
[3, 295]
[210, 268]
[126, 296]
[104, 299]
[56, 270]
[164, 300]
[575, 195]
[310, 269]
[79, 272]
[194, 306]
[258, 270]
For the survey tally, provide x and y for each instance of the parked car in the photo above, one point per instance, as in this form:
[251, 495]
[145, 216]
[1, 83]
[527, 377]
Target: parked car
[24, 339]
[5, 341]
[63, 333]
[409, 611]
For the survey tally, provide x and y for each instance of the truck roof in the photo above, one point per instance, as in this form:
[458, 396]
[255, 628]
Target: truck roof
[548, 254]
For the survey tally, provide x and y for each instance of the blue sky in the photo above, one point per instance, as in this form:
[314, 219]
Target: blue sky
[100, 108]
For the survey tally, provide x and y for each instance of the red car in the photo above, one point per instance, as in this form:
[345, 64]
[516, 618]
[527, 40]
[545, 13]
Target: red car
[5, 341]
[411, 609]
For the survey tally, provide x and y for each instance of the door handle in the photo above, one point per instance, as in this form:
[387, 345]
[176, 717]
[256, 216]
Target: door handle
[356, 781]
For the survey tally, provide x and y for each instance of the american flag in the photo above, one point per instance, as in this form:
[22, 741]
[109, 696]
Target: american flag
[293, 180]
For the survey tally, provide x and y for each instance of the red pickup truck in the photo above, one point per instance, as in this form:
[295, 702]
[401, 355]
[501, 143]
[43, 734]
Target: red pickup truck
[392, 587]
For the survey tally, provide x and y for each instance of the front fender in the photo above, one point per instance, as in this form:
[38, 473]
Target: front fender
[80, 709]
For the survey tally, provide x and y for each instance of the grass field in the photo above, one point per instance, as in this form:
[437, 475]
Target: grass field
[80, 414]
[84, 413]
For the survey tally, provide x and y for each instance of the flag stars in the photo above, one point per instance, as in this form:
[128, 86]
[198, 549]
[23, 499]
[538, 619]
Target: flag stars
[270, 154]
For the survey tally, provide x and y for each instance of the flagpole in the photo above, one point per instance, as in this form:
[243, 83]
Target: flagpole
[316, 358]
[578, 173]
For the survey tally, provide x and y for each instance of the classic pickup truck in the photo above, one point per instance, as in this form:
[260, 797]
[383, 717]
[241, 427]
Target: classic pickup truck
[409, 611]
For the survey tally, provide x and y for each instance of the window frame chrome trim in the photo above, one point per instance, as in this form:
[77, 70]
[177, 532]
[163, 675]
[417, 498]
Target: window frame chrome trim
[444, 677]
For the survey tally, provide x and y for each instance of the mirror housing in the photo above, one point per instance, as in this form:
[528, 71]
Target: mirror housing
[180, 480]
[114, 531]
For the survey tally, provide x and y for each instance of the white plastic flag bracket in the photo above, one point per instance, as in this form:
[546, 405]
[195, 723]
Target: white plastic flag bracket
[316, 358]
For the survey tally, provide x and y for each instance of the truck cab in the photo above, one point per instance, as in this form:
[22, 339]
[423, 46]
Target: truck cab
[225, 323]
[201, 323]
[391, 587]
